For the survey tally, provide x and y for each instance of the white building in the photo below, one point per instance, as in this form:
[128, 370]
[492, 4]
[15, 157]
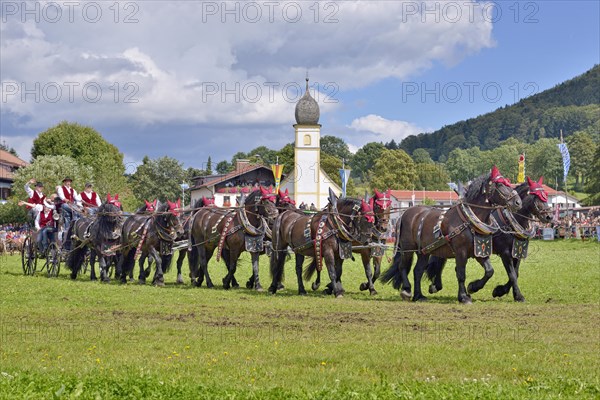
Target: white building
[308, 183]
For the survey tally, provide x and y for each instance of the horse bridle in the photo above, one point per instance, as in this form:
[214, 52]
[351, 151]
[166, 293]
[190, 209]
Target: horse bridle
[489, 194]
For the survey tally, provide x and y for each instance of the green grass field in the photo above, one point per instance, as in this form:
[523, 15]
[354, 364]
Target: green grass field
[81, 339]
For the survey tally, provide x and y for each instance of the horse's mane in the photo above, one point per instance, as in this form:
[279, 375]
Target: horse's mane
[347, 202]
[475, 189]
[108, 216]
[522, 190]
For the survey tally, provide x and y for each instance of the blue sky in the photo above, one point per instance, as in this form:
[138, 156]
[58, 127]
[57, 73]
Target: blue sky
[175, 58]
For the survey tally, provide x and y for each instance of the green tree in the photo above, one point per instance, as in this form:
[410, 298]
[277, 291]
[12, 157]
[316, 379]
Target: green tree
[593, 185]
[224, 167]
[545, 160]
[11, 213]
[394, 170]
[87, 147]
[336, 147]
[391, 145]
[364, 159]
[432, 177]
[264, 154]
[464, 165]
[331, 166]
[160, 178]
[240, 155]
[209, 166]
[286, 157]
[51, 170]
[421, 156]
[582, 149]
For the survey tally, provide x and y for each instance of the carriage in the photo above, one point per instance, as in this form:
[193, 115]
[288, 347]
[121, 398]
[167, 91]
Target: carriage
[53, 256]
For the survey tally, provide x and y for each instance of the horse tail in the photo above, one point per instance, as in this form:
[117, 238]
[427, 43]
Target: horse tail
[274, 262]
[310, 270]
[76, 254]
[393, 272]
[127, 263]
[435, 267]
[166, 261]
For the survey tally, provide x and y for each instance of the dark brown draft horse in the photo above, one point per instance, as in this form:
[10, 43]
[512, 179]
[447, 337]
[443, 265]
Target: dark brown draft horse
[462, 232]
[510, 242]
[149, 235]
[230, 232]
[381, 204]
[328, 235]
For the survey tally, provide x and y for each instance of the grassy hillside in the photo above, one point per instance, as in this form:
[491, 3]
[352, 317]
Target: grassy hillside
[571, 106]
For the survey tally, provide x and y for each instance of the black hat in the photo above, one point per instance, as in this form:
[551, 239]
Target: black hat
[67, 179]
[39, 184]
[88, 184]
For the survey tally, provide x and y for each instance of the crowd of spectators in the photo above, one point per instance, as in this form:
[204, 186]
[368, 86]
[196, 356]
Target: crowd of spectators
[583, 226]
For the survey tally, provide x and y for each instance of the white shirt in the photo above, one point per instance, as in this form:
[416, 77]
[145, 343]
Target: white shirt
[61, 194]
[38, 207]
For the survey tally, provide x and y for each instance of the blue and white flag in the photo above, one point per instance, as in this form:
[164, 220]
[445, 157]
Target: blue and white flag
[564, 151]
[345, 175]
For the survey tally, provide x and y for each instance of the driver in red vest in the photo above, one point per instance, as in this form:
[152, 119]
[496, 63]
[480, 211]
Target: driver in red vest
[44, 225]
[70, 199]
[36, 198]
[90, 199]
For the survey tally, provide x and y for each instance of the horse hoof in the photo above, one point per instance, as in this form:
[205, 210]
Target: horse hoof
[363, 286]
[406, 295]
[159, 284]
[259, 289]
[339, 296]
[315, 286]
[520, 299]
[373, 292]
[179, 279]
[420, 298]
[236, 286]
[142, 281]
[498, 291]
[280, 286]
[432, 289]
[106, 280]
[328, 291]
[465, 300]
[470, 289]
[93, 279]
[302, 293]
[249, 284]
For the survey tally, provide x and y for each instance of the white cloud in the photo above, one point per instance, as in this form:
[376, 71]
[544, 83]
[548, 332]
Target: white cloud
[175, 47]
[376, 128]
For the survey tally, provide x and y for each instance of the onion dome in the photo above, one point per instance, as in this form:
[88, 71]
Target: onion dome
[307, 109]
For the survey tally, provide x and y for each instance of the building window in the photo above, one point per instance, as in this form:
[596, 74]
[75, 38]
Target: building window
[226, 201]
[307, 140]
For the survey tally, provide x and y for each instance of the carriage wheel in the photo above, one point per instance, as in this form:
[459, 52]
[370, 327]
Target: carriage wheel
[28, 257]
[53, 260]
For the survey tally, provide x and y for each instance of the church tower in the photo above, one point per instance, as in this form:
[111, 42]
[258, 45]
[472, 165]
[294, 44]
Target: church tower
[308, 183]
[307, 151]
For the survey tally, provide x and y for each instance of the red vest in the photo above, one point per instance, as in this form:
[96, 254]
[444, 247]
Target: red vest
[69, 194]
[88, 201]
[36, 198]
[46, 220]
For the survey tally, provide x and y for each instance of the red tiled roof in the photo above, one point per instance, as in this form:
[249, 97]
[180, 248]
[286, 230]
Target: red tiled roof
[223, 178]
[7, 158]
[436, 195]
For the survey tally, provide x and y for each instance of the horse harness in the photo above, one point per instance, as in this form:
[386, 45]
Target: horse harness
[253, 236]
[482, 232]
[520, 235]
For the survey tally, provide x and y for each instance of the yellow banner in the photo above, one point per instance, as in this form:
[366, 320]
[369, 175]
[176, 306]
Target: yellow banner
[277, 172]
[521, 176]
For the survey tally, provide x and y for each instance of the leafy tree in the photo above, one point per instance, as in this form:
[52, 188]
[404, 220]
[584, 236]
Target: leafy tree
[545, 160]
[391, 145]
[160, 178]
[209, 166]
[224, 167]
[432, 177]
[87, 147]
[336, 147]
[582, 149]
[395, 170]
[365, 158]
[286, 157]
[421, 156]
[428, 202]
[332, 165]
[593, 185]
[264, 154]
[464, 165]
[240, 155]
[51, 170]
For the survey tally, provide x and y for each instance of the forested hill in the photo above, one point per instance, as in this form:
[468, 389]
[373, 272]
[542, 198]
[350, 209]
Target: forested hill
[572, 106]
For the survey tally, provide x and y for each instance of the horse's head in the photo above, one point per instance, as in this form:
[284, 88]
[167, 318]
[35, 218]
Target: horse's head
[114, 200]
[500, 192]
[110, 218]
[358, 216]
[284, 200]
[171, 216]
[208, 202]
[537, 200]
[262, 202]
[381, 204]
[151, 207]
